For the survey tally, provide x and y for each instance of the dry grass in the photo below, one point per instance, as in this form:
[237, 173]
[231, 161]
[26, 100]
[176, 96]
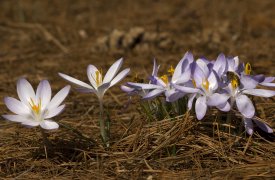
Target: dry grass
[37, 45]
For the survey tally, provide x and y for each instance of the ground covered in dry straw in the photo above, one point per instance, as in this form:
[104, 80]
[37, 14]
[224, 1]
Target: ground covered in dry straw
[41, 38]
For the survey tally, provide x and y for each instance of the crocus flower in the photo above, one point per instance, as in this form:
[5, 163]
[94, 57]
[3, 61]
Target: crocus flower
[205, 82]
[165, 84]
[36, 108]
[131, 90]
[99, 85]
[239, 88]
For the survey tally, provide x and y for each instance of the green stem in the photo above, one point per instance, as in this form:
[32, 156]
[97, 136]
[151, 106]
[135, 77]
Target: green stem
[46, 142]
[104, 131]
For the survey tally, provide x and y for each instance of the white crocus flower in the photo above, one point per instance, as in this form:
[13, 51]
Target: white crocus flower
[36, 108]
[99, 85]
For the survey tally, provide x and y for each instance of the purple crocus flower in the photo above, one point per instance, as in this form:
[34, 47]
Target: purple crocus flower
[132, 90]
[205, 82]
[239, 88]
[165, 84]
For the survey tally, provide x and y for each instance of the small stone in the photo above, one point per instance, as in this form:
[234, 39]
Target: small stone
[82, 33]
[133, 37]
[102, 43]
[163, 36]
[150, 37]
[143, 47]
[115, 40]
[166, 44]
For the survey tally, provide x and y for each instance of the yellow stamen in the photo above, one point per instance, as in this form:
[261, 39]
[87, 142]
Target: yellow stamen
[35, 108]
[205, 84]
[194, 83]
[171, 71]
[247, 69]
[98, 77]
[164, 78]
[234, 83]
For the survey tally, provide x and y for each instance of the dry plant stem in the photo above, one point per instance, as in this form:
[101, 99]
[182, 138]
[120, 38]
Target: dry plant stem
[103, 129]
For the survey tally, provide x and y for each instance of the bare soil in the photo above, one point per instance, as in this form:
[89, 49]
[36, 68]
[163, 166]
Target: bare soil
[41, 38]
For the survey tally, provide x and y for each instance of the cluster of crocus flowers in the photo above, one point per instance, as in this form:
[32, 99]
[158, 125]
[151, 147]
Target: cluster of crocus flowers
[36, 108]
[223, 83]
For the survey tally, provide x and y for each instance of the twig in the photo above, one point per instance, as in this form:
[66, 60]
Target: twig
[48, 36]
[246, 146]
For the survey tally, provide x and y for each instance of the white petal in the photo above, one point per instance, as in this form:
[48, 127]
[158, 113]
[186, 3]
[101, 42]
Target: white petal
[120, 76]
[103, 87]
[213, 81]
[269, 79]
[201, 107]
[231, 64]
[178, 71]
[224, 107]
[91, 73]
[183, 78]
[203, 66]
[30, 123]
[44, 93]
[25, 91]
[48, 124]
[75, 81]
[54, 111]
[153, 94]
[155, 68]
[263, 126]
[248, 126]
[113, 71]
[143, 86]
[245, 106]
[127, 89]
[260, 92]
[217, 99]
[199, 76]
[220, 65]
[160, 82]
[16, 118]
[268, 84]
[248, 82]
[189, 57]
[185, 89]
[236, 65]
[16, 106]
[59, 97]
[173, 95]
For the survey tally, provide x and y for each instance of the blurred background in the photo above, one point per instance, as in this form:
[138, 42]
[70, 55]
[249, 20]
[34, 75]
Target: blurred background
[41, 36]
